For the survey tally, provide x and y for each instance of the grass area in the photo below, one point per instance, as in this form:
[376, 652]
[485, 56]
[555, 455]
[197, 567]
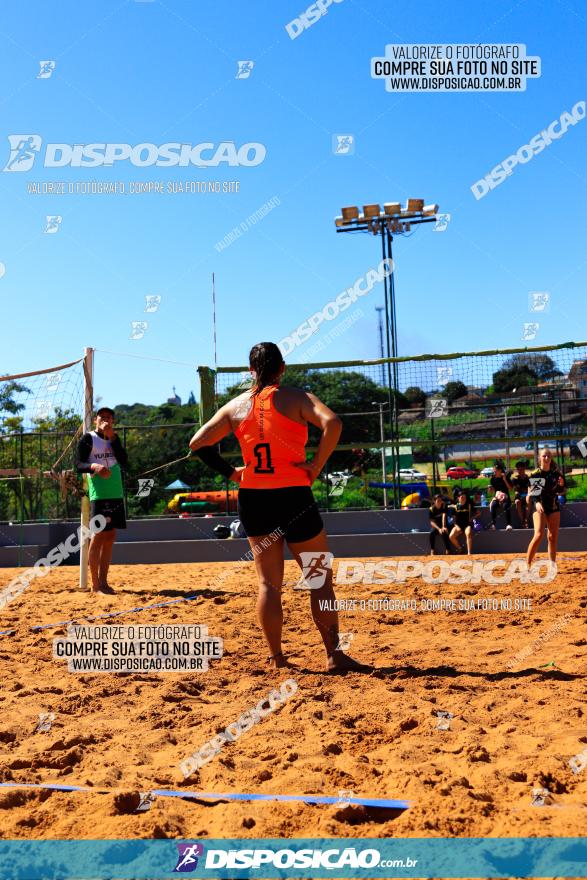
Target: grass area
[578, 491]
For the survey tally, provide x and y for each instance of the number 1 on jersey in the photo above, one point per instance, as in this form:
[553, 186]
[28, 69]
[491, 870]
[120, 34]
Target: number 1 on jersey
[263, 450]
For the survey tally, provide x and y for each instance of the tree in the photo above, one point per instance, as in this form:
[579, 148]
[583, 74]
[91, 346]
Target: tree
[454, 390]
[9, 405]
[541, 364]
[513, 377]
[415, 395]
[162, 436]
[191, 399]
[522, 370]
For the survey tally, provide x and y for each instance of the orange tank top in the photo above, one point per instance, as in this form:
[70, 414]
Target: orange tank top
[270, 442]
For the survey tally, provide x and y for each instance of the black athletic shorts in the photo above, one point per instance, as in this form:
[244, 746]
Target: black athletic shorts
[112, 509]
[293, 510]
[550, 505]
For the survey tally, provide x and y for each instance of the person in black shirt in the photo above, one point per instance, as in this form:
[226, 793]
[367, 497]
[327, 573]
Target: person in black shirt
[463, 513]
[500, 485]
[521, 483]
[438, 526]
[546, 484]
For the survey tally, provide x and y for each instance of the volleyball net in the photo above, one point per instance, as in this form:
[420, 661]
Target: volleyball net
[460, 409]
[465, 394]
[41, 418]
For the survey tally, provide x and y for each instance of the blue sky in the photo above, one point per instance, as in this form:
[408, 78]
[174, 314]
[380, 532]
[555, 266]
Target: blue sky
[158, 72]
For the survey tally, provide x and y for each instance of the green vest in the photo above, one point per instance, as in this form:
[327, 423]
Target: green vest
[104, 487]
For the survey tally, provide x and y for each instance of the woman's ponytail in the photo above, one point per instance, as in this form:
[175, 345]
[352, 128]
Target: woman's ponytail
[265, 359]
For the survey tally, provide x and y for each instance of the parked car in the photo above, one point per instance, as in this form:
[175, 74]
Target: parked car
[461, 473]
[486, 472]
[412, 474]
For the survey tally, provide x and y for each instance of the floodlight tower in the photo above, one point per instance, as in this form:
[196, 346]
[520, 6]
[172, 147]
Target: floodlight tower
[393, 220]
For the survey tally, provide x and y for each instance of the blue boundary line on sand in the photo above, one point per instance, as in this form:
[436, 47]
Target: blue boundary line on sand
[84, 619]
[164, 792]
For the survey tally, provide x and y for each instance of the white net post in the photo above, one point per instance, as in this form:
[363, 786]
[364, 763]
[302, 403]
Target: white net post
[88, 413]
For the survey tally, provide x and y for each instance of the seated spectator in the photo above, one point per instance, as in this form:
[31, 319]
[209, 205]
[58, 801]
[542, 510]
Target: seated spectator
[501, 487]
[463, 513]
[438, 524]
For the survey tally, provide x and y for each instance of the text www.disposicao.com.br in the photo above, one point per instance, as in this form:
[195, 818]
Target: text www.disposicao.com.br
[134, 664]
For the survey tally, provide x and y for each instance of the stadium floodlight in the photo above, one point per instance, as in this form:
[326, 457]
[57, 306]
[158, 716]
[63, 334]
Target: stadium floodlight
[349, 214]
[393, 220]
[370, 211]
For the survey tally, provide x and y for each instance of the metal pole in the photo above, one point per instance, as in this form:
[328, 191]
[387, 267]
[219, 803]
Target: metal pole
[534, 428]
[58, 505]
[560, 422]
[383, 465]
[379, 309]
[433, 456]
[21, 484]
[389, 349]
[554, 421]
[14, 459]
[394, 351]
[505, 431]
[66, 502]
[125, 483]
[39, 479]
[87, 426]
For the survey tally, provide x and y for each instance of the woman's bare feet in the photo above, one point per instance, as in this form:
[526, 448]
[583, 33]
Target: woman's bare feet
[103, 590]
[338, 661]
[277, 661]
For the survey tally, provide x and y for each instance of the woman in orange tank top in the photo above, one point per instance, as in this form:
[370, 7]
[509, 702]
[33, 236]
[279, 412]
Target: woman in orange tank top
[276, 504]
